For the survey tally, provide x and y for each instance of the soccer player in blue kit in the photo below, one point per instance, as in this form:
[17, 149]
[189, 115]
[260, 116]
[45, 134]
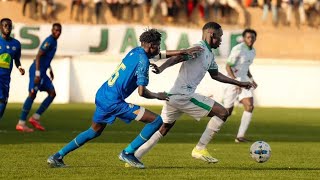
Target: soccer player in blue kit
[10, 49]
[132, 73]
[39, 80]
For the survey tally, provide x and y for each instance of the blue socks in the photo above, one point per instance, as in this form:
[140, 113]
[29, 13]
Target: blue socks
[2, 108]
[45, 104]
[148, 130]
[77, 142]
[28, 104]
[26, 108]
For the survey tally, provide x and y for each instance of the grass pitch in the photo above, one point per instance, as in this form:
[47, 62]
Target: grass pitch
[293, 134]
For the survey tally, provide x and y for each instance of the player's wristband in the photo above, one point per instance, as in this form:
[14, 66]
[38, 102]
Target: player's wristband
[163, 54]
[19, 67]
[37, 73]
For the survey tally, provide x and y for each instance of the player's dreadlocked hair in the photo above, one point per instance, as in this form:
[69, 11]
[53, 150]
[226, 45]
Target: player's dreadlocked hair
[150, 35]
[5, 19]
[211, 25]
[249, 31]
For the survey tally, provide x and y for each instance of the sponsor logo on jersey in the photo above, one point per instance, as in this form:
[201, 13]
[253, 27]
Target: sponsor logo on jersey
[46, 45]
[14, 48]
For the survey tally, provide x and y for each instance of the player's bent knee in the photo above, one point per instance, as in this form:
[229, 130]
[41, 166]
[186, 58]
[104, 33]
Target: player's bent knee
[224, 114]
[52, 94]
[249, 108]
[32, 95]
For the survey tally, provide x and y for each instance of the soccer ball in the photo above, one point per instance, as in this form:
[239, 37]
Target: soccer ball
[260, 151]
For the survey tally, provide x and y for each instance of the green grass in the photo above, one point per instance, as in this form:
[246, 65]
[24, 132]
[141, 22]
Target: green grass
[293, 134]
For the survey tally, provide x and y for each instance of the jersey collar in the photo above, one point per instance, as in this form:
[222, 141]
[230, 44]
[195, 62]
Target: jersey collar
[247, 46]
[208, 46]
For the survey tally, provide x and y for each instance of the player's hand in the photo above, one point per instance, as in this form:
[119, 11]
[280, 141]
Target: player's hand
[156, 69]
[194, 51]
[37, 80]
[246, 85]
[255, 85]
[22, 71]
[163, 96]
[51, 75]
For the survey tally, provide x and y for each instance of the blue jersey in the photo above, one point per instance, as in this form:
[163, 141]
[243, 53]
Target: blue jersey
[49, 47]
[131, 73]
[9, 50]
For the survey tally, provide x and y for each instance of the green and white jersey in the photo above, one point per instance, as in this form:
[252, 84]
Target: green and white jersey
[240, 58]
[193, 71]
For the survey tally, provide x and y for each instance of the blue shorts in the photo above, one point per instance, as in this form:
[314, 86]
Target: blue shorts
[4, 91]
[106, 112]
[45, 83]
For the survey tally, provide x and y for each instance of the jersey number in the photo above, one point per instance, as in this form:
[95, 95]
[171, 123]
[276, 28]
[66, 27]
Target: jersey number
[116, 74]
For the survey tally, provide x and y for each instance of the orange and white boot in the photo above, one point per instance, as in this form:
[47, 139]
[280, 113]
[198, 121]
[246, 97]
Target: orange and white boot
[23, 128]
[36, 124]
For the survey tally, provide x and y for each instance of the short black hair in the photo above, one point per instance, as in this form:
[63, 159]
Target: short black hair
[56, 24]
[150, 35]
[5, 19]
[211, 25]
[248, 30]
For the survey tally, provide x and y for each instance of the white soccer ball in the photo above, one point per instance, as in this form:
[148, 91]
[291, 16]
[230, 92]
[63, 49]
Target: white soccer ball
[260, 151]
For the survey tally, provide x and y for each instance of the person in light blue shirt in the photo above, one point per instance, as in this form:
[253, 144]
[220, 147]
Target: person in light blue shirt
[10, 50]
[39, 81]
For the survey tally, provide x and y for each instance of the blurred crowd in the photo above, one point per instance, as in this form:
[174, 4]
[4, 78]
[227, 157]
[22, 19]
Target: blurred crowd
[307, 12]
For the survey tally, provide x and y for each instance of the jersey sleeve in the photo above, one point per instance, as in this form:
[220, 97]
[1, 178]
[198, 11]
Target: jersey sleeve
[143, 71]
[46, 45]
[213, 67]
[233, 57]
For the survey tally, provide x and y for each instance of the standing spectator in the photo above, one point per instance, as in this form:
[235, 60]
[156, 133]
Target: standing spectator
[33, 8]
[190, 6]
[266, 4]
[97, 10]
[80, 9]
[113, 6]
[203, 10]
[45, 5]
[137, 9]
[237, 6]
[172, 9]
[296, 4]
[124, 9]
[154, 7]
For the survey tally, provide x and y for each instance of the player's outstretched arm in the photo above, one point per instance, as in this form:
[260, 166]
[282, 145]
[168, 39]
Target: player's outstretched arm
[193, 51]
[190, 51]
[170, 62]
[144, 92]
[224, 79]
